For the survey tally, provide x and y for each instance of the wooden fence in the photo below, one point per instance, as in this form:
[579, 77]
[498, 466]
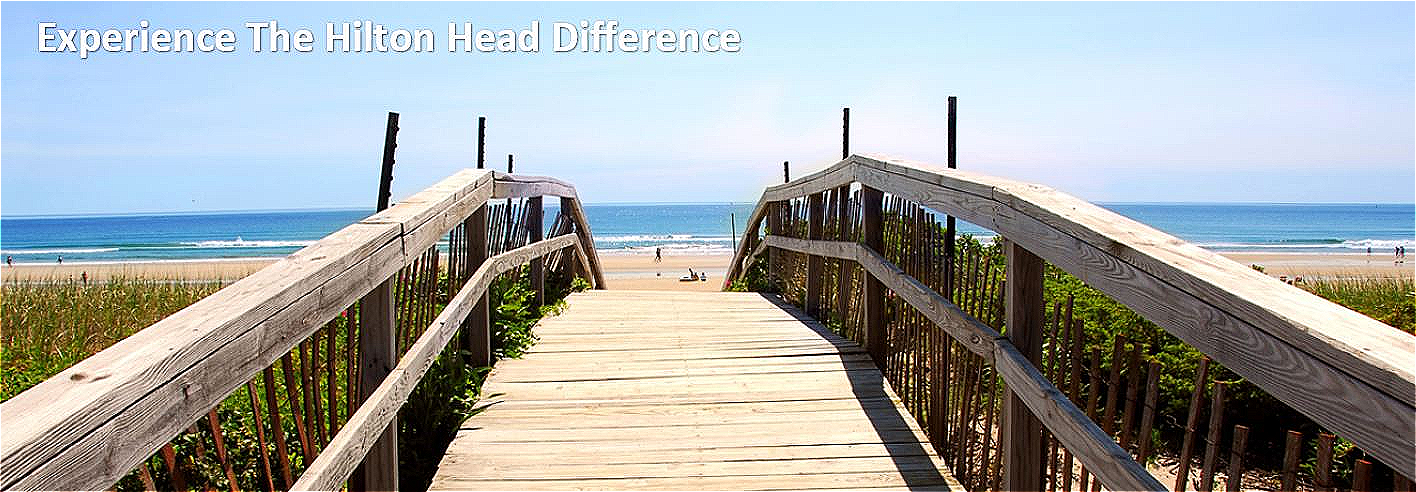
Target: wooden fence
[1002, 381]
[328, 343]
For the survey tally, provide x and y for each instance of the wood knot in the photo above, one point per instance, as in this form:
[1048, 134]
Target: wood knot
[80, 376]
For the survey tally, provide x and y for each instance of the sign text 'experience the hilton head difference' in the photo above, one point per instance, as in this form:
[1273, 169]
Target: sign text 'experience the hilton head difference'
[585, 36]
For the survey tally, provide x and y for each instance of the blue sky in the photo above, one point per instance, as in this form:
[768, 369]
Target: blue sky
[1290, 102]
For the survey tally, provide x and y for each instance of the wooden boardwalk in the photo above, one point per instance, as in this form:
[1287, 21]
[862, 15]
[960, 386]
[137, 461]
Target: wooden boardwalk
[678, 390]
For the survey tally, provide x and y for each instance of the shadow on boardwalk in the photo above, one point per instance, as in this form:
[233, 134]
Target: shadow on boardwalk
[911, 457]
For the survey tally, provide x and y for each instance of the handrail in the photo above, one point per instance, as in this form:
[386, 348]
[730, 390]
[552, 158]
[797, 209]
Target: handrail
[514, 185]
[1107, 460]
[90, 424]
[1349, 373]
[348, 447]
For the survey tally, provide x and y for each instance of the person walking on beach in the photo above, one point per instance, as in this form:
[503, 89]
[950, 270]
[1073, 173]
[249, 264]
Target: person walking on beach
[84, 276]
[658, 255]
[61, 259]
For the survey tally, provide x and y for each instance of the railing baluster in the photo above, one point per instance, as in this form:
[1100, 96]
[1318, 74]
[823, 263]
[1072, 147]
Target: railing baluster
[476, 333]
[814, 269]
[535, 229]
[377, 356]
[871, 202]
[1022, 432]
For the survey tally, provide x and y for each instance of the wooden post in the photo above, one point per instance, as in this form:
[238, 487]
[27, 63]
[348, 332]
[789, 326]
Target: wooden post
[814, 268]
[842, 234]
[378, 350]
[1292, 452]
[872, 231]
[1236, 460]
[845, 133]
[732, 229]
[509, 164]
[1192, 425]
[1022, 432]
[481, 142]
[774, 226]
[786, 172]
[567, 206]
[1216, 423]
[1322, 471]
[949, 219]
[538, 265]
[386, 171]
[476, 330]
[1361, 476]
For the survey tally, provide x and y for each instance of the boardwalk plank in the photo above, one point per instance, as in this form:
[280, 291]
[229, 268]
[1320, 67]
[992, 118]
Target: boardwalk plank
[672, 391]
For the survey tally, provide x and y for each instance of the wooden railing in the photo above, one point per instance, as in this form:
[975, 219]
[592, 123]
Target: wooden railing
[91, 424]
[1349, 373]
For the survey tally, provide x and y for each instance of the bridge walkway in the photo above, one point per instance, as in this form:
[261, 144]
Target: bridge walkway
[689, 390]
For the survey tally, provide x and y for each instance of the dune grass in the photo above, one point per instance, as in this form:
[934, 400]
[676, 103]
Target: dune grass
[47, 326]
[50, 325]
[1389, 300]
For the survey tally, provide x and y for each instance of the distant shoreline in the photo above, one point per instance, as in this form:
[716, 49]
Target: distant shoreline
[640, 271]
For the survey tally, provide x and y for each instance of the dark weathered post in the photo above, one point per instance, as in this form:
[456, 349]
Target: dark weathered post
[538, 265]
[732, 229]
[814, 267]
[949, 219]
[386, 171]
[940, 375]
[1022, 432]
[871, 201]
[845, 133]
[481, 142]
[510, 159]
[476, 331]
[842, 201]
[378, 351]
[786, 172]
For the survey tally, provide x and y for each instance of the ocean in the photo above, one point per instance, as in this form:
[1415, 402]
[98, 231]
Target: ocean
[676, 228]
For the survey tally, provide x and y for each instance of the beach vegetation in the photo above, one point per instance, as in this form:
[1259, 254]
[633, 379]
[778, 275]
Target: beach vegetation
[1389, 300]
[51, 325]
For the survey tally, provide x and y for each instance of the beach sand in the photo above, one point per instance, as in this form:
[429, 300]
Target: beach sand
[631, 272]
[635, 272]
[229, 270]
[1342, 265]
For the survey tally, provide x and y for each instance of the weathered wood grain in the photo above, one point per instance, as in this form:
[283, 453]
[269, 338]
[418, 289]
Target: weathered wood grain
[523, 186]
[1021, 433]
[103, 415]
[1347, 340]
[964, 328]
[1360, 385]
[651, 390]
[347, 449]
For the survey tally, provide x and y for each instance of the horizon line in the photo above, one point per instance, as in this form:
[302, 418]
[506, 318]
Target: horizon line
[590, 204]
